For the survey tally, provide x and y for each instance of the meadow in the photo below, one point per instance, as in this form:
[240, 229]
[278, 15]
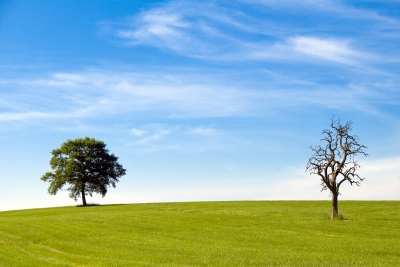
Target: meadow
[242, 233]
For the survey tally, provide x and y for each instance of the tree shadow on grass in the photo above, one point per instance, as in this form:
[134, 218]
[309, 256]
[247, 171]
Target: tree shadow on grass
[97, 204]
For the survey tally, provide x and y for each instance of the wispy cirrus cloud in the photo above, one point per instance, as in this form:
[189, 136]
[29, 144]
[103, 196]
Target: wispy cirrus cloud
[137, 132]
[334, 50]
[339, 9]
[22, 113]
[204, 131]
[35, 115]
[312, 49]
[221, 32]
[101, 94]
[153, 137]
[156, 25]
[185, 28]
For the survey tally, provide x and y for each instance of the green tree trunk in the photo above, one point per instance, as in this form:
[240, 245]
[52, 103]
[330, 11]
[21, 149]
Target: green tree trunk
[83, 195]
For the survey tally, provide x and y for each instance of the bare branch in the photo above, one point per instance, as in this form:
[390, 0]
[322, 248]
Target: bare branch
[335, 163]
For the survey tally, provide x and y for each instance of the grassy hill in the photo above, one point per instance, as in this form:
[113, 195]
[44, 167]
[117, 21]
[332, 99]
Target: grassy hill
[253, 233]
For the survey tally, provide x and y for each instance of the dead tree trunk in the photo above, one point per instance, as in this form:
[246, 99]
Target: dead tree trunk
[334, 162]
[334, 205]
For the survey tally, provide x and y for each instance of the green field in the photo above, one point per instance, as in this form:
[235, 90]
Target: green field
[246, 233]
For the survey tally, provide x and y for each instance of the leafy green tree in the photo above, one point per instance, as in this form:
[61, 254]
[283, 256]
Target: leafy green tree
[335, 162]
[86, 166]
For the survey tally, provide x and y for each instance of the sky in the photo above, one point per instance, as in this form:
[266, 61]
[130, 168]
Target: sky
[200, 100]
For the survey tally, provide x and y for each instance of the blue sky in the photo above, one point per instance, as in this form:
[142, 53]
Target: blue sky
[200, 100]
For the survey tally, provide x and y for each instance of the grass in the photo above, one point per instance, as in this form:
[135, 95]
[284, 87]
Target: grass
[339, 216]
[247, 233]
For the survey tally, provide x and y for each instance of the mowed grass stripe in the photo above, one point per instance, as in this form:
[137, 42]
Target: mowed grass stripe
[247, 233]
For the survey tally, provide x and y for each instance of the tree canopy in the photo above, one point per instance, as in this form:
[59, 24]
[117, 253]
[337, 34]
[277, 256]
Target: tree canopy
[335, 162]
[86, 166]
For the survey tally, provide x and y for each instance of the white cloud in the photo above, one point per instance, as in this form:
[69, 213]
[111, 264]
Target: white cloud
[291, 184]
[382, 166]
[156, 26]
[137, 132]
[153, 137]
[149, 134]
[325, 8]
[292, 4]
[101, 93]
[204, 30]
[335, 50]
[203, 131]
[312, 49]
[8, 116]
[273, 186]
[382, 180]
[34, 115]
[187, 28]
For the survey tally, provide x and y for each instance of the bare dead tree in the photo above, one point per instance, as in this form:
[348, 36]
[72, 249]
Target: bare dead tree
[335, 162]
